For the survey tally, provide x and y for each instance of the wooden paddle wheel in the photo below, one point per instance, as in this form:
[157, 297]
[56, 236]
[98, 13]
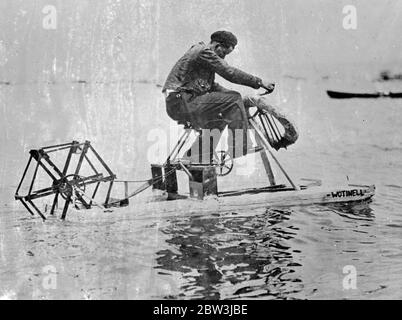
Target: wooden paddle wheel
[67, 178]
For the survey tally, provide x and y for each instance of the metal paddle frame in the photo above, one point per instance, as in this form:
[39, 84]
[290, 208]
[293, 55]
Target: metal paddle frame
[265, 144]
[223, 159]
[70, 186]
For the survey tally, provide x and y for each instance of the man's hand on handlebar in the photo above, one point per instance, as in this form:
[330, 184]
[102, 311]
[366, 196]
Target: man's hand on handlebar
[268, 86]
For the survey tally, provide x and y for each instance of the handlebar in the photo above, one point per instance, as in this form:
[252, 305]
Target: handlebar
[267, 90]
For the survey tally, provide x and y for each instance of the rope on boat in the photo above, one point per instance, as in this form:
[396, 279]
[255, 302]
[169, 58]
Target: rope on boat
[148, 182]
[130, 181]
[146, 185]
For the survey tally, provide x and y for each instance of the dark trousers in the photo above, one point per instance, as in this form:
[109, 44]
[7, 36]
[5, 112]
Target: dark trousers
[212, 112]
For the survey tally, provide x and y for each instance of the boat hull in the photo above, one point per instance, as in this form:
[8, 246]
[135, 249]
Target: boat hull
[315, 195]
[155, 205]
[308, 196]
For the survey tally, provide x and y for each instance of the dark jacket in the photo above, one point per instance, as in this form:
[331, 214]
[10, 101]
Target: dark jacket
[195, 72]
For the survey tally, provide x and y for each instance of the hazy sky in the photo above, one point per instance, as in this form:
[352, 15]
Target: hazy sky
[281, 35]
[315, 29]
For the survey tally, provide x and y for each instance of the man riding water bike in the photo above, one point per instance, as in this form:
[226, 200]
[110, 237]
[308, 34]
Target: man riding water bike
[193, 96]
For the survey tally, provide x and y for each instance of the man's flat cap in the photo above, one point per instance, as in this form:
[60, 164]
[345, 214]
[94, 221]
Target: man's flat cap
[225, 38]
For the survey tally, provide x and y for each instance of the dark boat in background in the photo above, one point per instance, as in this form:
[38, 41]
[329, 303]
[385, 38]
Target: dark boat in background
[349, 95]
